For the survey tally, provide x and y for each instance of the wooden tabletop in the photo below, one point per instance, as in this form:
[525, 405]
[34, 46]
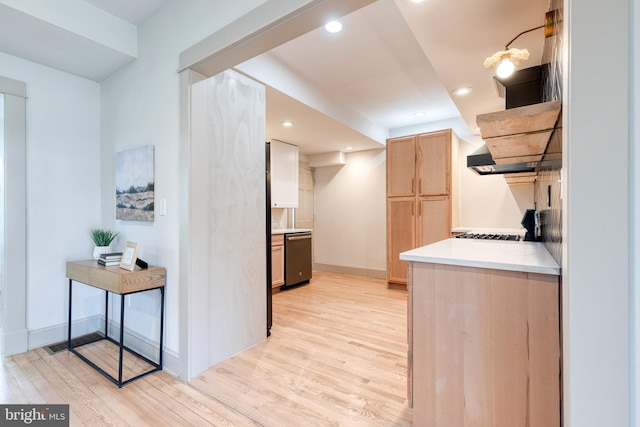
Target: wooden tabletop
[116, 279]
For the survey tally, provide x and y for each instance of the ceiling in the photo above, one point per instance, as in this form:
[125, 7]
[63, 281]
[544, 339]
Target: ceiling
[133, 11]
[393, 58]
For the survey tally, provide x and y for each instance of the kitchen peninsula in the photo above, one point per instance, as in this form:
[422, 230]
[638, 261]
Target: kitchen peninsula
[484, 334]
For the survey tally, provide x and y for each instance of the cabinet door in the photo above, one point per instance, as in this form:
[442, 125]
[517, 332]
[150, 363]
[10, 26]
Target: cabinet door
[284, 175]
[434, 163]
[401, 236]
[494, 335]
[401, 167]
[434, 220]
[277, 266]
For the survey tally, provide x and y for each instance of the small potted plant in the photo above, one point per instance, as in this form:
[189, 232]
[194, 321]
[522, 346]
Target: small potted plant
[102, 240]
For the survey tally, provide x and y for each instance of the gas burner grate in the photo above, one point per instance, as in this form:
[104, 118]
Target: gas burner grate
[486, 236]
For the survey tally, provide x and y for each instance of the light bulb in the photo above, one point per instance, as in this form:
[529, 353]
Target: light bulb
[462, 91]
[505, 69]
[333, 27]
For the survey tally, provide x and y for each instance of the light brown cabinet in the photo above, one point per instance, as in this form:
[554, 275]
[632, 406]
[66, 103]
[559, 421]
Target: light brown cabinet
[484, 347]
[277, 260]
[401, 235]
[422, 199]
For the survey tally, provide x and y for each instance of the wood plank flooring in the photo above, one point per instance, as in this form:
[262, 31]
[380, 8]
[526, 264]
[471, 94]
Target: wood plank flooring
[336, 357]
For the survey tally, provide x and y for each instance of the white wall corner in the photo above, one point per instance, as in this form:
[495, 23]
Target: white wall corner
[15, 342]
[335, 158]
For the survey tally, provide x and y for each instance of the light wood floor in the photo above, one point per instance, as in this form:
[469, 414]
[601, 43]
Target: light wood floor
[336, 357]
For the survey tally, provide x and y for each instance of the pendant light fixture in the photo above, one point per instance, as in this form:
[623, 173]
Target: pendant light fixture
[505, 61]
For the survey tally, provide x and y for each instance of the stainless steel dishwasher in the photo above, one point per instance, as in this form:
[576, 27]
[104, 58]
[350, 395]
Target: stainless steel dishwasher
[297, 258]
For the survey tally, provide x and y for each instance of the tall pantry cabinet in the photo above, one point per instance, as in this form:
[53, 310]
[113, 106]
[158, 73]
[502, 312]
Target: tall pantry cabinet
[422, 195]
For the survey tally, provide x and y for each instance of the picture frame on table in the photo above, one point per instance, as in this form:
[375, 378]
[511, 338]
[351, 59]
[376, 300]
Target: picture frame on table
[129, 256]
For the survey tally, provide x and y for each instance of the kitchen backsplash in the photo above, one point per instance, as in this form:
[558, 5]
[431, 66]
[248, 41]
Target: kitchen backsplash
[547, 188]
[549, 205]
[279, 218]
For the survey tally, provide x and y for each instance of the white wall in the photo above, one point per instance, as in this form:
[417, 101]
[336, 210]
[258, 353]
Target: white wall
[635, 208]
[140, 105]
[74, 128]
[63, 190]
[350, 212]
[487, 201]
[597, 286]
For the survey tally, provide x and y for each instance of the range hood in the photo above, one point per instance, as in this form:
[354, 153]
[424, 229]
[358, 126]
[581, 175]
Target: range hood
[481, 161]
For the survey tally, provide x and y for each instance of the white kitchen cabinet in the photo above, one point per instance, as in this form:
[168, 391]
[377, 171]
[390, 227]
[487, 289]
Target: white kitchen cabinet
[284, 175]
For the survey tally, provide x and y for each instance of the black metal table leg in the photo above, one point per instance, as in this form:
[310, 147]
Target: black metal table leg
[106, 313]
[69, 327]
[161, 326]
[121, 339]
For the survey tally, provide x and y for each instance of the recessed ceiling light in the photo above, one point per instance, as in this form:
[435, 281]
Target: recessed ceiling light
[287, 124]
[462, 91]
[416, 1]
[333, 27]
[419, 114]
[349, 148]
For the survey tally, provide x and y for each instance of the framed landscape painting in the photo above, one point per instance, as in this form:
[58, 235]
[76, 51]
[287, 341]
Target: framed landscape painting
[134, 184]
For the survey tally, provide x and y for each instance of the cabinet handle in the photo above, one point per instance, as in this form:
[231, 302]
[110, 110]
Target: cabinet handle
[413, 185]
[420, 186]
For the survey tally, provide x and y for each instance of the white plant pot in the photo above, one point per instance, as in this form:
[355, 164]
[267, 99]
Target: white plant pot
[98, 250]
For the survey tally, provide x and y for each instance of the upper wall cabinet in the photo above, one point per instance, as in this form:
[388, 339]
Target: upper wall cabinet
[284, 175]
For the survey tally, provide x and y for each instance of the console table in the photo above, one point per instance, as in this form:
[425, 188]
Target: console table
[116, 280]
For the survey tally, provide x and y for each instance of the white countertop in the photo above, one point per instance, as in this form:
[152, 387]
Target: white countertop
[289, 230]
[530, 257]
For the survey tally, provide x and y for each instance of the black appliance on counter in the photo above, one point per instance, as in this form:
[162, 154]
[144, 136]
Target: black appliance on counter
[297, 258]
[530, 221]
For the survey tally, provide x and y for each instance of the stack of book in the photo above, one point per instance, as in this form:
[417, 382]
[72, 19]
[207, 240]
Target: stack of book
[111, 259]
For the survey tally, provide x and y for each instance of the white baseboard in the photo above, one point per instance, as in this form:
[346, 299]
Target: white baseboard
[355, 271]
[133, 340]
[55, 334]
